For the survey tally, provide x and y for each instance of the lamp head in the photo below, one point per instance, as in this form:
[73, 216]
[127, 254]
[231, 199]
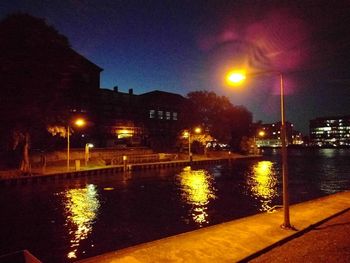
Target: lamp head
[235, 77]
[80, 122]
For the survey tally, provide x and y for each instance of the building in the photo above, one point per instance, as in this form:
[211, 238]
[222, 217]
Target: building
[46, 85]
[269, 135]
[80, 82]
[330, 131]
[52, 93]
[297, 138]
[162, 114]
[116, 118]
[151, 119]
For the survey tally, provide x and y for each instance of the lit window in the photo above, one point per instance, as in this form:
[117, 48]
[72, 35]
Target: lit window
[174, 116]
[152, 114]
[167, 115]
[160, 114]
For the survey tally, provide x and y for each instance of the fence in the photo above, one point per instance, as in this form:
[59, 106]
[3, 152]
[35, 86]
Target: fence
[145, 158]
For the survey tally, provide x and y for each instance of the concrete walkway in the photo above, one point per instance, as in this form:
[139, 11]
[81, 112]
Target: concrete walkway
[239, 240]
[328, 242]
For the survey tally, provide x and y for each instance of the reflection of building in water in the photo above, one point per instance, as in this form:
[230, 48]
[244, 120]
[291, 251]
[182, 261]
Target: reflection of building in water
[81, 208]
[197, 187]
[262, 182]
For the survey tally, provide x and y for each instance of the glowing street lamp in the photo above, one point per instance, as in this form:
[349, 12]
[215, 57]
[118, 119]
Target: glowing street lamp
[234, 78]
[261, 133]
[80, 122]
[187, 134]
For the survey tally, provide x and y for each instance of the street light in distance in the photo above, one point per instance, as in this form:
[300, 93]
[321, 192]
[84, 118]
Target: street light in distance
[187, 134]
[79, 122]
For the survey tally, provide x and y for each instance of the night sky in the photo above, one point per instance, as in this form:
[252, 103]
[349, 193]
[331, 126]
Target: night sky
[181, 46]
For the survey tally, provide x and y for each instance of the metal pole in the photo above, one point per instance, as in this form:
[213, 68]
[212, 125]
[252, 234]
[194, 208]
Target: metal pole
[86, 154]
[189, 146]
[124, 162]
[286, 221]
[255, 147]
[68, 142]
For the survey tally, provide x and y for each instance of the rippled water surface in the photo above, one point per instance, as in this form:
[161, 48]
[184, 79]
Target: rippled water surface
[63, 221]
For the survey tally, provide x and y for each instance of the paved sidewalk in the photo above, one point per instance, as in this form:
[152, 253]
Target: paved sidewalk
[328, 242]
[233, 241]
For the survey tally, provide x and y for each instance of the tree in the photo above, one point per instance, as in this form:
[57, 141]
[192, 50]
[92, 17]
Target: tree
[32, 59]
[198, 141]
[224, 121]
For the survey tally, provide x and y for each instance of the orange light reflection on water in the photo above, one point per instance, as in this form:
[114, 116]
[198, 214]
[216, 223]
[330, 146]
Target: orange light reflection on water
[81, 209]
[262, 182]
[198, 190]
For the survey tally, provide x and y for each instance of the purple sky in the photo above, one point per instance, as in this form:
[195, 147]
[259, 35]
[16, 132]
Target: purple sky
[182, 46]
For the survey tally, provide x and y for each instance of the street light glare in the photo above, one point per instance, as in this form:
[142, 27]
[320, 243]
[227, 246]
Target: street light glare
[261, 133]
[186, 134]
[198, 130]
[80, 122]
[235, 77]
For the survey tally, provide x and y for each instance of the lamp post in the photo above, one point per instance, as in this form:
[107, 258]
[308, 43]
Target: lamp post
[260, 135]
[68, 146]
[188, 135]
[236, 78]
[87, 152]
[80, 123]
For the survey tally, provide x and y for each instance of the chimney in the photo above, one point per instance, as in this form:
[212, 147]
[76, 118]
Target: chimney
[131, 91]
[115, 88]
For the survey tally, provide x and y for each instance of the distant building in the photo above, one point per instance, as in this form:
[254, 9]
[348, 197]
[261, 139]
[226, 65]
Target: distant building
[298, 138]
[163, 116]
[151, 119]
[330, 131]
[80, 82]
[269, 135]
[116, 118]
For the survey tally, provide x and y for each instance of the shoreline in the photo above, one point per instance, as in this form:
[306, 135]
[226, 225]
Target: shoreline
[58, 173]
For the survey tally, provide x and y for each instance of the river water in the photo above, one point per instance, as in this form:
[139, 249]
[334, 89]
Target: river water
[67, 220]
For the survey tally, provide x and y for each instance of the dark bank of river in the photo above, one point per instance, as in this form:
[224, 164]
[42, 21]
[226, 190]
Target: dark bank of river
[66, 220]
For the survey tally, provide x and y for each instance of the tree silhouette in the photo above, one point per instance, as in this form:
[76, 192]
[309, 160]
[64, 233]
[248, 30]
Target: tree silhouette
[224, 121]
[33, 62]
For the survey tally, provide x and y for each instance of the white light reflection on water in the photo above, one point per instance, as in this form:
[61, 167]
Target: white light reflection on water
[81, 209]
[262, 182]
[198, 190]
